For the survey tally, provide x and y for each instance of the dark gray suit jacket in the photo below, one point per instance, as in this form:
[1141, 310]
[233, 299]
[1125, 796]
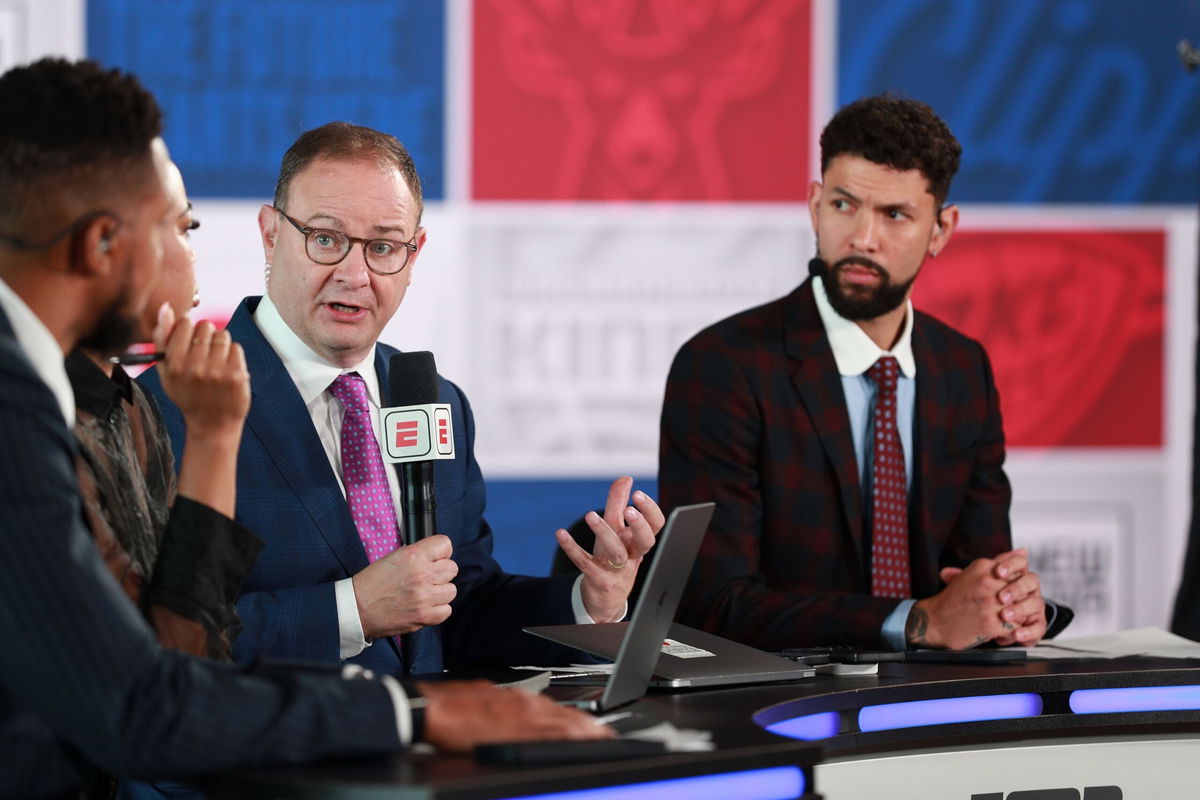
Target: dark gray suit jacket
[84, 684]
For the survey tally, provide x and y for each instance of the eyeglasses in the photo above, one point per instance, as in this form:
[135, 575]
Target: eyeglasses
[329, 247]
[21, 243]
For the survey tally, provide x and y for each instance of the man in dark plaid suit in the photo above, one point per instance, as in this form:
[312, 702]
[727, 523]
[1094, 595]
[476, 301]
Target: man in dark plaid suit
[773, 413]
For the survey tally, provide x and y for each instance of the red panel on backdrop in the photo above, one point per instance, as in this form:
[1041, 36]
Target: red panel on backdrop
[1073, 322]
[641, 99]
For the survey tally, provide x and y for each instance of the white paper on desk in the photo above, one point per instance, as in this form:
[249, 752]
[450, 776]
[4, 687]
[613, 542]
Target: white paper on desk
[534, 684]
[676, 740]
[1150, 641]
[573, 669]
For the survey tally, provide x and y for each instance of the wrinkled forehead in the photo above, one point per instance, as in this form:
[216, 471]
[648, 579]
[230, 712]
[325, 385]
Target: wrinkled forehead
[880, 184]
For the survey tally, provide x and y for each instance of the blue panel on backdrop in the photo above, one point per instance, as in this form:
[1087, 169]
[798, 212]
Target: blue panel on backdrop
[239, 81]
[524, 514]
[1054, 101]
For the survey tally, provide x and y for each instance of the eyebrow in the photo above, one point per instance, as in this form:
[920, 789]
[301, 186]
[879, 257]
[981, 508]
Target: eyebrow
[341, 224]
[905, 206]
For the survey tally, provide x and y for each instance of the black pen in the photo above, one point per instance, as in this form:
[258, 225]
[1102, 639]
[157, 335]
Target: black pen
[137, 359]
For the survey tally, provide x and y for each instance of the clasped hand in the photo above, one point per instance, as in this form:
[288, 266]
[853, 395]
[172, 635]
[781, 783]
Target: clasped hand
[993, 599]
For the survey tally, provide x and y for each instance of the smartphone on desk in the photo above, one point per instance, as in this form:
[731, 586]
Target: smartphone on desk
[990, 655]
[849, 655]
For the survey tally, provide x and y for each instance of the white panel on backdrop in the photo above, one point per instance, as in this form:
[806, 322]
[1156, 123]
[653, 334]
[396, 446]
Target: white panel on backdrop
[31, 29]
[1093, 523]
[576, 316]
[1080, 552]
[14, 34]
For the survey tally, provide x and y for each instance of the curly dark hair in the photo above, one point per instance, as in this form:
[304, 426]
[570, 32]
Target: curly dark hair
[71, 127]
[344, 141]
[898, 132]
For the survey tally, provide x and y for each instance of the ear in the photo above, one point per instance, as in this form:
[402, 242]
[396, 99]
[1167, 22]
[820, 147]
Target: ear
[268, 228]
[814, 200]
[943, 229]
[412, 260]
[98, 247]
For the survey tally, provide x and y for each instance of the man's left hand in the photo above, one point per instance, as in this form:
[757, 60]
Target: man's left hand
[1023, 609]
[623, 536]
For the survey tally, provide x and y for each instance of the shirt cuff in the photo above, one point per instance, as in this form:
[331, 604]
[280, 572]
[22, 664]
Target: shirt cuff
[351, 639]
[893, 626]
[581, 615]
[402, 706]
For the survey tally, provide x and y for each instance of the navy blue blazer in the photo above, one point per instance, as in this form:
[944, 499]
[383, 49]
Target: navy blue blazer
[289, 496]
[84, 683]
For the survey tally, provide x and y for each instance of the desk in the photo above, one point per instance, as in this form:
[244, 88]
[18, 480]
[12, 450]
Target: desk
[1048, 746]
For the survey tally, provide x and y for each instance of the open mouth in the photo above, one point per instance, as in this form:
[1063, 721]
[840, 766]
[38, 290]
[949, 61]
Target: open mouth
[342, 308]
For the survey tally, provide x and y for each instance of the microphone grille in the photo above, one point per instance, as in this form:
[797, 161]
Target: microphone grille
[412, 379]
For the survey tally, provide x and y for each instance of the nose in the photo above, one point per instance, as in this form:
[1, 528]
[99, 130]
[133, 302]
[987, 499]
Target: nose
[865, 238]
[352, 270]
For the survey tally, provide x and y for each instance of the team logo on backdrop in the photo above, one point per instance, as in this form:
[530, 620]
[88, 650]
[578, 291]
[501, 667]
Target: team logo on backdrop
[1054, 101]
[656, 99]
[1073, 324]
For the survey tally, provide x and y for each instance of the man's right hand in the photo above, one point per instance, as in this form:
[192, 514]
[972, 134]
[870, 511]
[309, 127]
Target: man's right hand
[407, 589]
[967, 612]
[462, 714]
[204, 373]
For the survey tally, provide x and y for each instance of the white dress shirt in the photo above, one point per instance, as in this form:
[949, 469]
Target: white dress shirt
[312, 376]
[41, 348]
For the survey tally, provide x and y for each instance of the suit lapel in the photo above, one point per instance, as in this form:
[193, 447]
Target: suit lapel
[819, 385]
[295, 447]
[930, 425]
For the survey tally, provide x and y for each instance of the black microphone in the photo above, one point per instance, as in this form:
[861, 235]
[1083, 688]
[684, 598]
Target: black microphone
[817, 267]
[413, 381]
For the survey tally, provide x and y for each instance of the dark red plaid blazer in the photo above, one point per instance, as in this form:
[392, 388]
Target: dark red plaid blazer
[755, 419]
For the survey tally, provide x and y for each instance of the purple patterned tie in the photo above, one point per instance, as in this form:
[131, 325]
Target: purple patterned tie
[889, 516]
[363, 470]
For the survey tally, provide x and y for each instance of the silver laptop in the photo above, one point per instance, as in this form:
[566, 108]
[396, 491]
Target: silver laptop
[651, 645]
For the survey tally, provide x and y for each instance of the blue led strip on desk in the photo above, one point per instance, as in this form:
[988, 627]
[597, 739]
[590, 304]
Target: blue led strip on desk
[773, 783]
[810, 727]
[948, 710]
[1138, 698]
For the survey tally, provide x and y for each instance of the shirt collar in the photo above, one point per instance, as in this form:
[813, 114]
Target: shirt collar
[853, 350]
[311, 373]
[95, 392]
[41, 348]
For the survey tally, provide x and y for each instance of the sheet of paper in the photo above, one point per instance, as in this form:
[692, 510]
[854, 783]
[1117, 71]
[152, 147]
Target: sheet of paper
[1149, 641]
[575, 669]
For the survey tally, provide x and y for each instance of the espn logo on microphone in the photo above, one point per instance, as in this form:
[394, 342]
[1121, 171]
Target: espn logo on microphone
[416, 433]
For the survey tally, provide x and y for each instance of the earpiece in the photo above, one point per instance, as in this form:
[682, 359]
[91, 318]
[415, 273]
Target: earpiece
[104, 244]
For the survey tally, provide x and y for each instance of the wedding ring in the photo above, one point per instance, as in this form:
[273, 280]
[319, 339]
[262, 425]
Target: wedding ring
[614, 565]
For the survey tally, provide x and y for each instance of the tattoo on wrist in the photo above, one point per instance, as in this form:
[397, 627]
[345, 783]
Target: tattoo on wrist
[916, 628]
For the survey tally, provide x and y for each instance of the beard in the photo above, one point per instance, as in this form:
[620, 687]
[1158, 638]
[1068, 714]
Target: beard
[114, 330]
[860, 303]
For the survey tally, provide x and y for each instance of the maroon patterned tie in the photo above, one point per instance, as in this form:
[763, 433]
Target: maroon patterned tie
[363, 470]
[889, 513]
